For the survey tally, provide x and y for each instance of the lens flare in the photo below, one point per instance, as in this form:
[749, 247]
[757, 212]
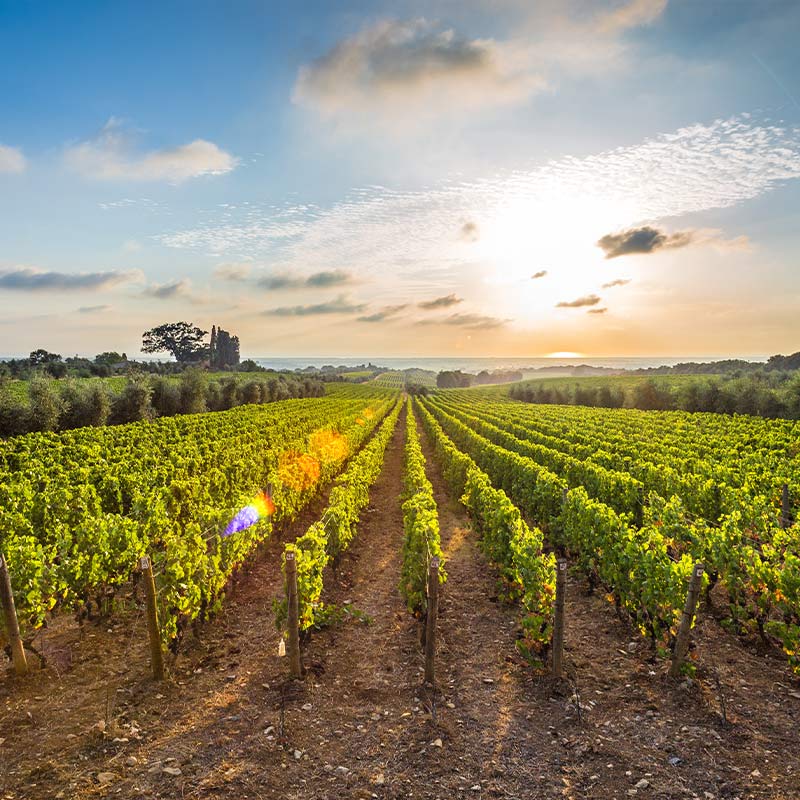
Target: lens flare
[263, 502]
[298, 471]
[261, 507]
[328, 446]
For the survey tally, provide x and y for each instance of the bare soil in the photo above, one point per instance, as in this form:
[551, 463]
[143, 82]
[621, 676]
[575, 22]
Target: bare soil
[362, 725]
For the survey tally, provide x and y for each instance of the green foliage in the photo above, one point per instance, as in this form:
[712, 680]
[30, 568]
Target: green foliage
[651, 494]
[420, 524]
[45, 404]
[527, 572]
[331, 535]
[78, 508]
[331, 614]
[132, 404]
[734, 387]
[193, 386]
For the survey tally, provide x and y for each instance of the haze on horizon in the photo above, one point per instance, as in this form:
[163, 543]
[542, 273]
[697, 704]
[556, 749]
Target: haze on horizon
[474, 178]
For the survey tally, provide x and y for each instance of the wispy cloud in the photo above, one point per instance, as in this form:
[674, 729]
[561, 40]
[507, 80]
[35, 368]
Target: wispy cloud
[339, 305]
[694, 169]
[440, 302]
[319, 280]
[30, 279]
[111, 156]
[468, 320]
[133, 202]
[631, 14]
[387, 312]
[233, 272]
[581, 302]
[597, 311]
[170, 290]
[540, 274]
[94, 309]
[11, 159]
[617, 282]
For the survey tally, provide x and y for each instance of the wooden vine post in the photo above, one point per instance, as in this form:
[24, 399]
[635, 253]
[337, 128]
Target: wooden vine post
[154, 632]
[293, 616]
[682, 641]
[430, 621]
[785, 510]
[11, 621]
[558, 622]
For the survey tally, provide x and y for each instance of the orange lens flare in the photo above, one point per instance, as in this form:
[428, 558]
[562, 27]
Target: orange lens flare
[298, 471]
[328, 446]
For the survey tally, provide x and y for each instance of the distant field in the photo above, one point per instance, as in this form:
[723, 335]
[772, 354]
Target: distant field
[624, 382]
[399, 378]
[356, 376]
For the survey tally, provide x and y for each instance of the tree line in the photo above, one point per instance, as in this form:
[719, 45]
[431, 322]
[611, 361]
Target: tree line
[456, 379]
[61, 405]
[775, 395]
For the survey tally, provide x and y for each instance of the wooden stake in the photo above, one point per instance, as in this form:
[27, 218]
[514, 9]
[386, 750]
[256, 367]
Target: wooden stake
[785, 510]
[11, 621]
[293, 616]
[430, 621]
[682, 642]
[558, 622]
[156, 654]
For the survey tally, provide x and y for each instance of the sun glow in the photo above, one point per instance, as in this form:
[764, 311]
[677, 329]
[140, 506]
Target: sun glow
[526, 235]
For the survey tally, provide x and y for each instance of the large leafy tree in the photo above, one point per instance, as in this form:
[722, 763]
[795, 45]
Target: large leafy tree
[40, 356]
[182, 339]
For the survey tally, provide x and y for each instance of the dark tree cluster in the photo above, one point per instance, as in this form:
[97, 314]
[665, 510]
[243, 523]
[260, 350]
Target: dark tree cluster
[454, 379]
[223, 349]
[498, 376]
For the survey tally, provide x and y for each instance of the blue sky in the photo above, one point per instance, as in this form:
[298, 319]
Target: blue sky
[386, 178]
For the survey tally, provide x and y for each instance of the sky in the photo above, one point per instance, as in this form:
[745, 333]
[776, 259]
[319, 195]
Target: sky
[452, 177]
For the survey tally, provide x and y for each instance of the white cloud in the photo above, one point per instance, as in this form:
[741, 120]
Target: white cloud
[394, 65]
[170, 291]
[233, 272]
[11, 159]
[631, 14]
[110, 156]
[399, 74]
